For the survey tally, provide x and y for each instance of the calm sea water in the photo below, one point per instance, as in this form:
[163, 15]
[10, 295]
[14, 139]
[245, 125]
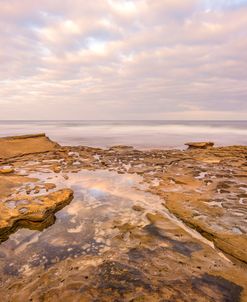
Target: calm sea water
[141, 134]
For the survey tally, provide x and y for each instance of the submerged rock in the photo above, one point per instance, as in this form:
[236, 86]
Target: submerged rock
[137, 208]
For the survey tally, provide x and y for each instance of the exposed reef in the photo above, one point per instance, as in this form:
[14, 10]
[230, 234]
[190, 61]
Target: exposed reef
[134, 225]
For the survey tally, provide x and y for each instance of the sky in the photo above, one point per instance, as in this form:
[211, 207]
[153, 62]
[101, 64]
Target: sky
[119, 59]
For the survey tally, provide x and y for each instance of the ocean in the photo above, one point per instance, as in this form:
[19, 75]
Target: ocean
[140, 134]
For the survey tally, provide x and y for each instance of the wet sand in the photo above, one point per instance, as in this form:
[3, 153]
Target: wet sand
[119, 224]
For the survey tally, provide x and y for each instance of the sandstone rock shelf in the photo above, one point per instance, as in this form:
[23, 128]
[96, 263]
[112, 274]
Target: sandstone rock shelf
[30, 211]
[114, 241]
[12, 146]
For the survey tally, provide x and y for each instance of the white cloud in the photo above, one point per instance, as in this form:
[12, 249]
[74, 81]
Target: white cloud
[122, 59]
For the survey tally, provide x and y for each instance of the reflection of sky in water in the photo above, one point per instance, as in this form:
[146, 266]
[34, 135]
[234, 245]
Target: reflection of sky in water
[99, 198]
[102, 201]
[97, 193]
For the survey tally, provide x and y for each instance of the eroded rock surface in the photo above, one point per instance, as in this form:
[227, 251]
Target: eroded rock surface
[30, 212]
[142, 225]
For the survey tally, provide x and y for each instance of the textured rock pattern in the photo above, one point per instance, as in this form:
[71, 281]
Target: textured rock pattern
[30, 211]
[148, 257]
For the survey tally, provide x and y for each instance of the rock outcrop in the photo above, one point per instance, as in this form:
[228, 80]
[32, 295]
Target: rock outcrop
[25, 144]
[199, 145]
[31, 211]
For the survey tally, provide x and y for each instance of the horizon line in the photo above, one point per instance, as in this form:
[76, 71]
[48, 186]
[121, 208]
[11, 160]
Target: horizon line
[122, 120]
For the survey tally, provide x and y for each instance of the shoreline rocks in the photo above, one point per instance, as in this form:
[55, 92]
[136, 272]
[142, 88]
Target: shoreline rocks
[199, 145]
[13, 146]
[149, 254]
[31, 211]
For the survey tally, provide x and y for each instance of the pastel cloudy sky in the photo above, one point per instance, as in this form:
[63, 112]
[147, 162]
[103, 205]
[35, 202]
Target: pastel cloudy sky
[119, 59]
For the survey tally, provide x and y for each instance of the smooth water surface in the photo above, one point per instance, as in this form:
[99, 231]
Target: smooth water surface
[141, 134]
[102, 199]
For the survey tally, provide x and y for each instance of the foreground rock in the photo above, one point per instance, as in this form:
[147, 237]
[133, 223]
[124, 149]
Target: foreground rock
[153, 263]
[31, 212]
[19, 145]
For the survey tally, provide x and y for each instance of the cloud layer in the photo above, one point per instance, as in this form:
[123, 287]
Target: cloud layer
[110, 59]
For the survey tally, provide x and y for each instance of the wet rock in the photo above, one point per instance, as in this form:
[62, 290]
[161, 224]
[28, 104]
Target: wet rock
[229, 291]
[36, 210]
[6, 170]
[49, 186]
[138, 208]
[56, 169]
[121, 277]
[36, 189]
